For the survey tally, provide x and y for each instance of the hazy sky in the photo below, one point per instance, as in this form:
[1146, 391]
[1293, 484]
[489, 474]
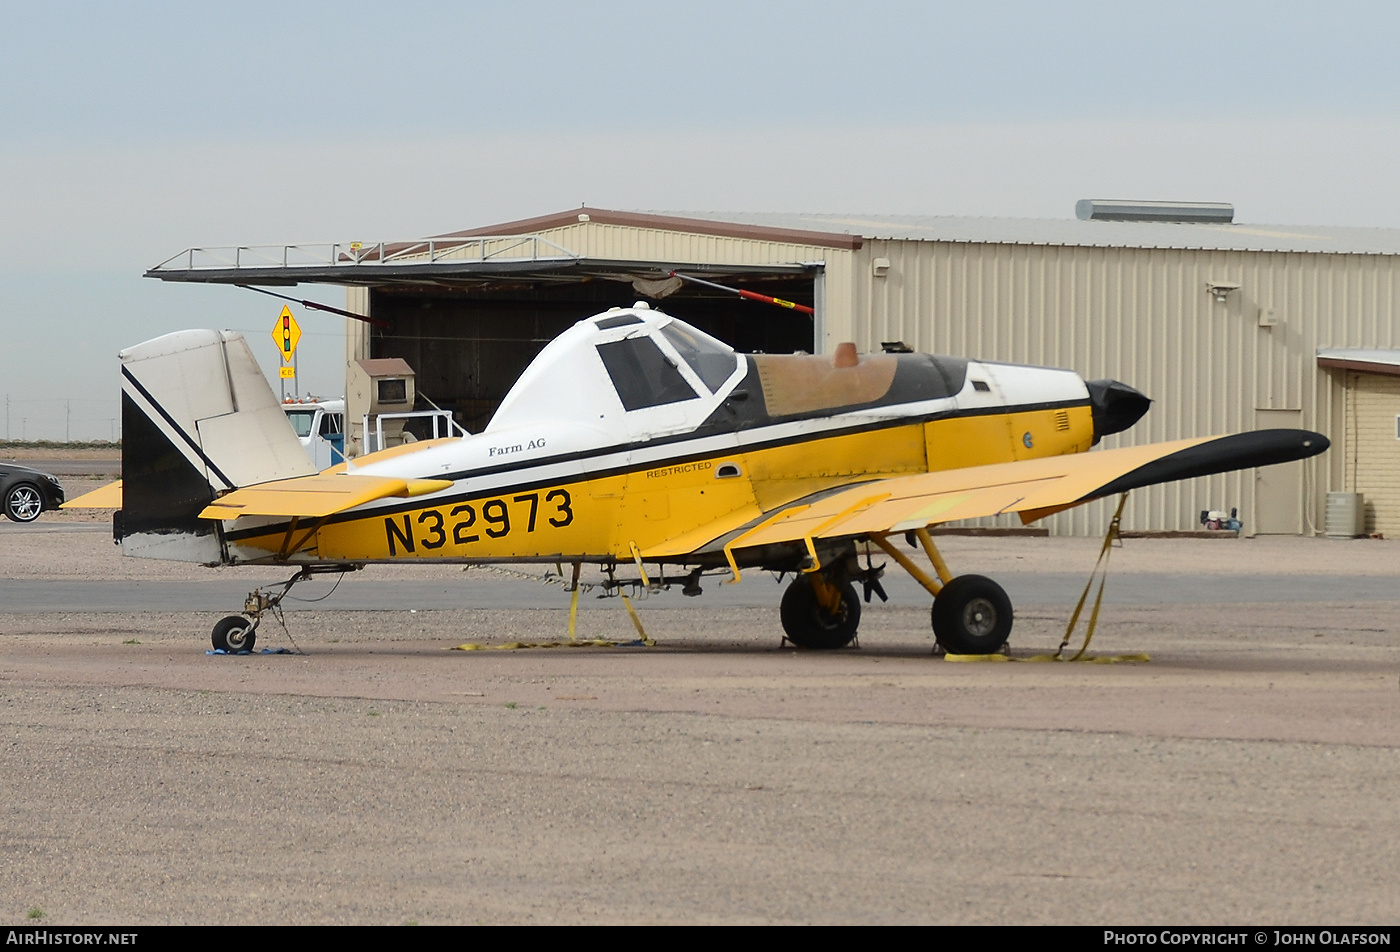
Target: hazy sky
[131, 132]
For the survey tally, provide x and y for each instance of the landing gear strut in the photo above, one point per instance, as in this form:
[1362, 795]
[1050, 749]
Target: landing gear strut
[238, 633]
[971, 613]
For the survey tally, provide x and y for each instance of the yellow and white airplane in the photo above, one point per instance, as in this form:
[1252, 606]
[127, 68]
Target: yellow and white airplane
[635, 439]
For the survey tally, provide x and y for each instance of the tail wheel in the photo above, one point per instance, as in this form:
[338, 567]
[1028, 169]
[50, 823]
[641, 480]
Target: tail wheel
[234, 634]
[809, 625]
[972, 615]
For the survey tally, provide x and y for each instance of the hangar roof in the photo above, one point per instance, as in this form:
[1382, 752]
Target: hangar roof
[852, 230]
[1364, 360]
[473, 255]
[1072, 231]
[798, 230]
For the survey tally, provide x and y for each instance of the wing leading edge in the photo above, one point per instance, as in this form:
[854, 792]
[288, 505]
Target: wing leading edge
[1031, 488]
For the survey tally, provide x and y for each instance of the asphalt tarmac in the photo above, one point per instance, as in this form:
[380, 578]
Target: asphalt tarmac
[1245, 774]
[507, 587]
[358, 594]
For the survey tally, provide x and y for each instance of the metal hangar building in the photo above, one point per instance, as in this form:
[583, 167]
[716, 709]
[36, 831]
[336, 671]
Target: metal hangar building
[1226, 326]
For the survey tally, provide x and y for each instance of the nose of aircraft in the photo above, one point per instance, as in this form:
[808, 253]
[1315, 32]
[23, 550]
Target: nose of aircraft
[1116, 406]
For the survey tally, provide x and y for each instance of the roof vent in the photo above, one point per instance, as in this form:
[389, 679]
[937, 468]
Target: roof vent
[1094, 209]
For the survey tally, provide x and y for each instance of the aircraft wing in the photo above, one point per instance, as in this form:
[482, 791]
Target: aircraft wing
[1033, 488]
[312, 497]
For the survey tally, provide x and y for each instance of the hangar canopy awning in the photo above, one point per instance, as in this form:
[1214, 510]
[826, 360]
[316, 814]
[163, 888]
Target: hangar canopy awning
[1361, 360]
[445, 261]
[469, 311]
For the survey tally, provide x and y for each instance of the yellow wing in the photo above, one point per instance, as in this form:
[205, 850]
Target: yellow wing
[315, 496]
[1031, 488]
[105, 497]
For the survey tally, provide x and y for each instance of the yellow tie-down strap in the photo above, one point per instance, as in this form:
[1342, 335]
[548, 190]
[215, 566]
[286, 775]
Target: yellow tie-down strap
[1105, 550]
[1094, 659]
[642, 640]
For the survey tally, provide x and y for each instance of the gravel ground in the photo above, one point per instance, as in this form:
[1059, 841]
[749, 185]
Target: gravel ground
[1246, 774]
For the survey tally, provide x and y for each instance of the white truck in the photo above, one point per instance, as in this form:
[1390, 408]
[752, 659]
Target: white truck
[320, 425]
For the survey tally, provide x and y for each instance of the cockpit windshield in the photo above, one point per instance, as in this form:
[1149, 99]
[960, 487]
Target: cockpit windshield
[712, 363]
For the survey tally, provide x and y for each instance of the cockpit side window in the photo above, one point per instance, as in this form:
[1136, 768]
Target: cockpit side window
[642, 374]
[712, 364]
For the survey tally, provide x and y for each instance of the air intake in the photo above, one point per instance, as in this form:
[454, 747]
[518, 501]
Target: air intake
[1094, 209]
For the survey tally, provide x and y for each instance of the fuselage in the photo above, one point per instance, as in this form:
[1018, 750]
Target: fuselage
[634, 435]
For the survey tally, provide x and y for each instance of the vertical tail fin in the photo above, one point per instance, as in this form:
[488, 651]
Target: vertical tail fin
[198, 419]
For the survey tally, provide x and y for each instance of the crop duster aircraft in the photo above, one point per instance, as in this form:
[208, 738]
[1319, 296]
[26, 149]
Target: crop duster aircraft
[635, 438]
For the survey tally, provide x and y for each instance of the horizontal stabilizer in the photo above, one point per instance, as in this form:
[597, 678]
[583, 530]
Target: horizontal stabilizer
[105, 497]
[1033, 488]
[316, 496]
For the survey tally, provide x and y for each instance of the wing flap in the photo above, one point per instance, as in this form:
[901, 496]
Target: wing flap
[1033, 488]
[316, 496]
[689, 542]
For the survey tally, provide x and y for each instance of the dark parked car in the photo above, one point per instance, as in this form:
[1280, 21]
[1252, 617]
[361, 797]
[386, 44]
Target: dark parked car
[25, 492]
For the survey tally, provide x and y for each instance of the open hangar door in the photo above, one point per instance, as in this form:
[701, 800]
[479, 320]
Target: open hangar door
[468, 344]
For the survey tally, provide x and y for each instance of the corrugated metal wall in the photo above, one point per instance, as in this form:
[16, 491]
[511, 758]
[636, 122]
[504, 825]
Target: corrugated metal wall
[1145, 316]
[597, 240]
[356, 332]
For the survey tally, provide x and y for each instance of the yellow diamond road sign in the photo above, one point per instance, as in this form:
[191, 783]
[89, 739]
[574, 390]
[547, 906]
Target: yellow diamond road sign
[286, 334]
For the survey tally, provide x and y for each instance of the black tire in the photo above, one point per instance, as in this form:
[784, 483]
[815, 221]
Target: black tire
[972, 615]
[234, 634]
[23, 502]
[810, 626]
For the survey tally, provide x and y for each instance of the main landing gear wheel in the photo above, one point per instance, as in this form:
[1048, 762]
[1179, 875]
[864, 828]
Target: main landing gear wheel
[809, 625]
[234, 634]
[972, 615]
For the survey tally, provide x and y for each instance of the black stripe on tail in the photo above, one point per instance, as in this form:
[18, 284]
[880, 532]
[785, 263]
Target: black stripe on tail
[162, 492]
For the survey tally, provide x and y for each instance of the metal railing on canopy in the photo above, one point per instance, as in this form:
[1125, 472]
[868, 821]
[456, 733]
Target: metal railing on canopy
[355, 254]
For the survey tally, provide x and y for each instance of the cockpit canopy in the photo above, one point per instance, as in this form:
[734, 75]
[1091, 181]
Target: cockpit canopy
[630, 369]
